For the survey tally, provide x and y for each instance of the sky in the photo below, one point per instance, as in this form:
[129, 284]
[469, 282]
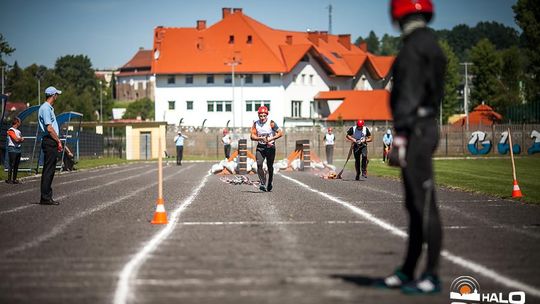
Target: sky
[110, 32]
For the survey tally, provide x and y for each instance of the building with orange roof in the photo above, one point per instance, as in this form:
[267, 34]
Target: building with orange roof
[481, 115]
[135, 80]
[219, 75]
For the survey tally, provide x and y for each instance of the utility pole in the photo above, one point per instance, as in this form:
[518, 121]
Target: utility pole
[329, 7]
[466, 94]
[100, 103]
[3, 78]
[233, 63]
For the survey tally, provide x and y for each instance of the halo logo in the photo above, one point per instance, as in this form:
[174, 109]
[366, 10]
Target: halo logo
[466, 290]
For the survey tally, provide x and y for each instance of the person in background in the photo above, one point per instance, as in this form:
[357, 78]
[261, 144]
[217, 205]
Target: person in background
[329, 139]
[226, 139]
[419, 71]
[179, 142]
[359, 135]
[265, 131]
[50, 144]
[14, 140]
[387, 143]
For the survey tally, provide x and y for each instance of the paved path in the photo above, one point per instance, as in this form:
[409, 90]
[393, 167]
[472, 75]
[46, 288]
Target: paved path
[309, 241]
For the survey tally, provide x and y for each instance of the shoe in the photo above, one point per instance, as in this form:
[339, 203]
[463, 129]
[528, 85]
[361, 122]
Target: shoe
[16, 181]
[262, 188]
[269, 188]
[357, 177]
[8, 181]
[427, 284]
[396, 280]
[364, 176]
[49, 202]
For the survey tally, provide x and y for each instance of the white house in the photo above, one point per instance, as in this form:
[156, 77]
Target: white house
[218, 76]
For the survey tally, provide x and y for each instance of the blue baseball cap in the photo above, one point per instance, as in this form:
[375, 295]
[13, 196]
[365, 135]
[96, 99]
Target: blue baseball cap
[51, 91]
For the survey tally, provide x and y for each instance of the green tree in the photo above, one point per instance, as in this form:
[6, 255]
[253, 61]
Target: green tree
[75, 72]
[5, 49]
[390, 45]
[527, 15]
[511, 77]
[486, 70]
[450, 104]
[141, 107]
[372, 43]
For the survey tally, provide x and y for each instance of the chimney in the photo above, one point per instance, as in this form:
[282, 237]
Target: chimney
[314, 37]
[288, 39]
[141, 48]
[324, 36]
[345, 40]
[201, 24]
[237, 10]
[226, 11]
[363, 46]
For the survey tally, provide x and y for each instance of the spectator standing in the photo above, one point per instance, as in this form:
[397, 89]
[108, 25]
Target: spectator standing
[329, 139]
[387, 143]
[14, 140]
[226, 139]
[360, 135]
[179, 142]
[50, 144]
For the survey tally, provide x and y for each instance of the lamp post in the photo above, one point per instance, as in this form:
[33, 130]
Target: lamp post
[39, 75]
[233, 63]
[466, 94]
[100, 103]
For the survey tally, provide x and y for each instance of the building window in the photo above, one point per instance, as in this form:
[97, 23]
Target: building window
[210, 78]
[219, 106]
[311, 108]
[333, 88]
[253, 105]
[296, 108]
[228, 78]
[310, 79]
[294, 78]
[189, 79]
[303, 79]
[249, 39]
[231, 39]
[171, 79]
[248, 78]
[171, 104]
[189, 105]
[266, 78]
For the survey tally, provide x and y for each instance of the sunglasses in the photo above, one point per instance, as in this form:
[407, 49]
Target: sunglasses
[262, 115]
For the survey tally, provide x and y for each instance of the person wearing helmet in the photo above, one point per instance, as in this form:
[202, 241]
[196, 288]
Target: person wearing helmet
[417, 91]
[265, 132]
[226, 139]
[387, 143]
[329, 139]
[359, 135]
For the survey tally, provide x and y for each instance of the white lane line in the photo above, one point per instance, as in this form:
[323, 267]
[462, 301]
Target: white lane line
[127, 276]
[59, 198]
[61, 227]
[270, 223]
[480, 269]
[69, 182]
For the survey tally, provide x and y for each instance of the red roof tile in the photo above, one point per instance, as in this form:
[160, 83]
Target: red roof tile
[142, 59]
[259, 48]
[367, 105]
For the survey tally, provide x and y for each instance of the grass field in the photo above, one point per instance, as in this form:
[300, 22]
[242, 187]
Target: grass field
[483, 175]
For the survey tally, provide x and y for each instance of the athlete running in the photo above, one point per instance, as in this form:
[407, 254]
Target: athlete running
[265, 131]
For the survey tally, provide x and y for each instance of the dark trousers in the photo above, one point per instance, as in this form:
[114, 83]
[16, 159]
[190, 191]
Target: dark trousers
[270, 154]
[329, 154]
[420, 201]
[179, 154]
[14, 160]
[227, 150]
[50, 153]
[360, 155]
[386, 150]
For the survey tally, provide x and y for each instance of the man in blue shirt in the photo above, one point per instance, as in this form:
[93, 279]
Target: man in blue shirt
[50, 144]
[179, 142]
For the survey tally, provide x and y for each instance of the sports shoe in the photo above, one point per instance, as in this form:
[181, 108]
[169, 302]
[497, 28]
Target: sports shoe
[396, 280]
[427, 284]
[49, 202]
[262, 188]
[364, 176]
[357, 177]
[269, 188]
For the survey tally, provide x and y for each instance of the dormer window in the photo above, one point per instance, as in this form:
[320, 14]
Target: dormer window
[249, 39]
[231, 39]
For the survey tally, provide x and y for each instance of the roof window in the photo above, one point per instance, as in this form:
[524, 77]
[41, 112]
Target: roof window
[249, 39]
[231, 39]
[336, 55]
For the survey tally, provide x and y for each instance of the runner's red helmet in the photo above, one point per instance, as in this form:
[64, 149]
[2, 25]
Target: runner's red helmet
[402, 8]
[330, 129]
[263, 109]
[360, 123]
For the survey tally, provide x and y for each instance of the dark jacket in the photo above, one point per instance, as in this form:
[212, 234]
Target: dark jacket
[418, 87]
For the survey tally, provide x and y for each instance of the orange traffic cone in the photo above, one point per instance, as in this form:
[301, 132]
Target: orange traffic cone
[516, 192]
[160, 216]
